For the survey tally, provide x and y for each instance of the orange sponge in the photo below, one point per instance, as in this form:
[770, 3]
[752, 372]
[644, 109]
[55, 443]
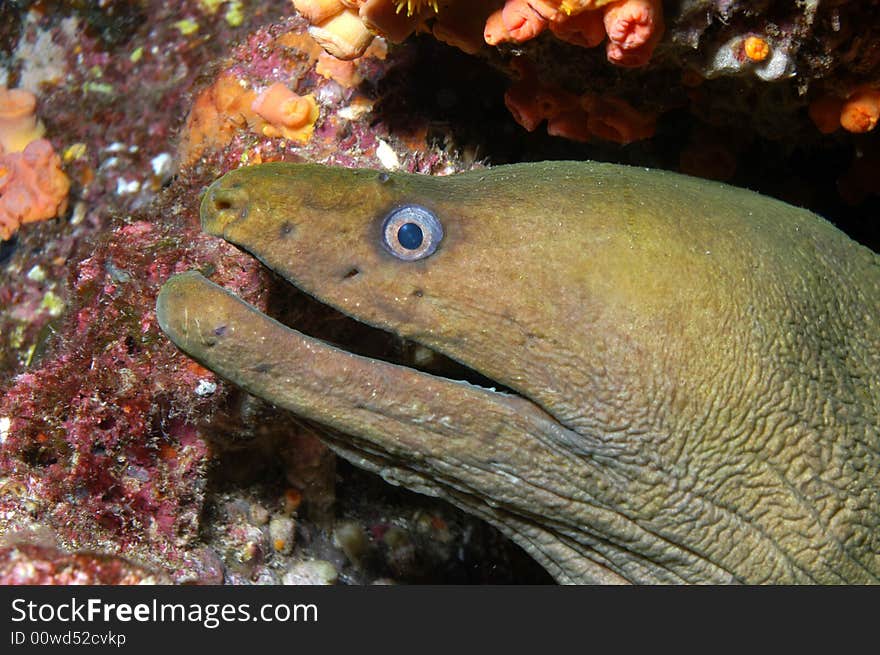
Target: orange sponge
[229, 105]
[573, 117]
[522, 20]
[285, 113]
[861, 111]
[586, 29]
[32, 186]
[634, 29]
[825, 113]
[18, 122]
[615, 120]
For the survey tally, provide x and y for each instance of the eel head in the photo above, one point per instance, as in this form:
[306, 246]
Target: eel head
[655, 415]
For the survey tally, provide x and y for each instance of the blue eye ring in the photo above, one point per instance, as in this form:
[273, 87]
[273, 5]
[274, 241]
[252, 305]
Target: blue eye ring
[411, 232]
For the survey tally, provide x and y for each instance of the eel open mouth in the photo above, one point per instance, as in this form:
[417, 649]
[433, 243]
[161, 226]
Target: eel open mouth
[308, 315]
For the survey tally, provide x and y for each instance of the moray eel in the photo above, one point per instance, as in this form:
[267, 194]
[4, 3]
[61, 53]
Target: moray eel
[690, 370]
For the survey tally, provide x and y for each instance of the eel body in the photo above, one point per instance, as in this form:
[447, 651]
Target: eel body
[691, 370]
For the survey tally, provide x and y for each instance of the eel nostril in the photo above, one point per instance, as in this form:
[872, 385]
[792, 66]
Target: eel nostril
[228, 198]
[223, 206]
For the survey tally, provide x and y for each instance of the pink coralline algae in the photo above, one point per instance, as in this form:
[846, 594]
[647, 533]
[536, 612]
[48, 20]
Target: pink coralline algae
[90, 442]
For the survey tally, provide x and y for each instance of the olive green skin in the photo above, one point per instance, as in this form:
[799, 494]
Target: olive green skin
[695, 365]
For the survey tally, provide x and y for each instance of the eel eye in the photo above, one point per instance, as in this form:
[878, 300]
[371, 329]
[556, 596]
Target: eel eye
[411, 232]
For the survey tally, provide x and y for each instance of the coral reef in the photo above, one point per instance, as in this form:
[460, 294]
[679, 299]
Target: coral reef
[633, 29]
[816, 46]
[106, 431]
[345, 29]
[86, 436]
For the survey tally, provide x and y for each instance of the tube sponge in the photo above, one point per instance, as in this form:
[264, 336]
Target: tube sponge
[345, 28]
[344, 35]
[32, 186]
[586, 29]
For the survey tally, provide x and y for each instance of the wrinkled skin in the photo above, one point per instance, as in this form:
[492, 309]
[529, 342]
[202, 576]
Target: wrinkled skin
[695, 366]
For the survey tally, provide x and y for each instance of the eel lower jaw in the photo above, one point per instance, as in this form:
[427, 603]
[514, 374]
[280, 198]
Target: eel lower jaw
[353, 393]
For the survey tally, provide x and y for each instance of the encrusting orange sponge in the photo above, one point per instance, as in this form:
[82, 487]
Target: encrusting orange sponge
[18, 121]
[218, 112]
[32, 186]
[230, 105]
